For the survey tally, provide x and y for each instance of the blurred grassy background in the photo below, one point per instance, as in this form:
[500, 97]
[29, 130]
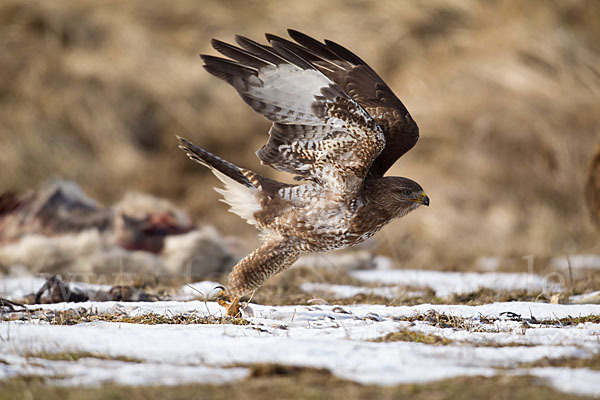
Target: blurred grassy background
[506, 94]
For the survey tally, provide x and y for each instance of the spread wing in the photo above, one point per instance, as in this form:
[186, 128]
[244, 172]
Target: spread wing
[319, 131]
[363, 84]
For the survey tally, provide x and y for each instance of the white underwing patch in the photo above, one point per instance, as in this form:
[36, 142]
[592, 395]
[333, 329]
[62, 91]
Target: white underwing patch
[243, 200]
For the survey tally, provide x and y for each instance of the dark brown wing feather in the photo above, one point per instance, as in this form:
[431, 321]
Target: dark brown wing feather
[363, 84]
[319, 132]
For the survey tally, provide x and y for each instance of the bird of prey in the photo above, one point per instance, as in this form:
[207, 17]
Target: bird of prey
[337, 126]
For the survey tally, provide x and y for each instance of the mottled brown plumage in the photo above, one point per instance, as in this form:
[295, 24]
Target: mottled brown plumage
[336, 126]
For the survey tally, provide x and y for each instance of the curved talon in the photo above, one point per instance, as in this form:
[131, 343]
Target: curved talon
[232, 305]
[218, 291]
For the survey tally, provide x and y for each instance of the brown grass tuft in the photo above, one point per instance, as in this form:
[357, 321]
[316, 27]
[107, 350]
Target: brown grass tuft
[411, 336]
[506, 95]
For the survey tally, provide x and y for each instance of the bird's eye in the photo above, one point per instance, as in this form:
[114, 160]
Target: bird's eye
[406, 192]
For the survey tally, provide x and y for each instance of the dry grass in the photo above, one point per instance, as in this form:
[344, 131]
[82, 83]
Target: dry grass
[411, 336]
[568, 362]
[290, 293]
[442, 320]
[267, 381]
[569, 321]
[419, 337]
[284, 289]
[74, 356]
[81, 315]
[506, 95]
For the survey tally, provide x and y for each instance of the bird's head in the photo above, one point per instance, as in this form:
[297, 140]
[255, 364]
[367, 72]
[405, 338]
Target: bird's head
[407, 191]
[401, 194]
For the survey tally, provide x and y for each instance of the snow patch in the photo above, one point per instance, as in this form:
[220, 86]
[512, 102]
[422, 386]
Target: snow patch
[348, 291]
[582, 381]
[202, 289]
[91, 371]
[445, 284]
[332, 337]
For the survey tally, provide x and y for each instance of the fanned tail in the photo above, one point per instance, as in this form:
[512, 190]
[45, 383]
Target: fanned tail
[239, 191]
[213, 162]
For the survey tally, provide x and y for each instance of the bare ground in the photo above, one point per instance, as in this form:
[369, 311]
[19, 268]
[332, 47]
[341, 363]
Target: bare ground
[505, 94]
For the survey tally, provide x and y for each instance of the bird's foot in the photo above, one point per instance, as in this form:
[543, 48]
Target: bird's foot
[231, 304]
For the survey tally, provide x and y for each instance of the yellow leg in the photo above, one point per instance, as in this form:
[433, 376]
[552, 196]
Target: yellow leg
[231, 304]
[233, 310]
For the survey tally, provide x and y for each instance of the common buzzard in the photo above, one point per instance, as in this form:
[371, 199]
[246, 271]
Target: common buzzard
[337, 127]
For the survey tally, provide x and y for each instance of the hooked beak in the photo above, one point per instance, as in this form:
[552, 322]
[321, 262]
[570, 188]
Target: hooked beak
[424, 200]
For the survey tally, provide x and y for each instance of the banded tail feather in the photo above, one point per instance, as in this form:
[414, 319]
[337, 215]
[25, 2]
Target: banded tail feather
[239, 192]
